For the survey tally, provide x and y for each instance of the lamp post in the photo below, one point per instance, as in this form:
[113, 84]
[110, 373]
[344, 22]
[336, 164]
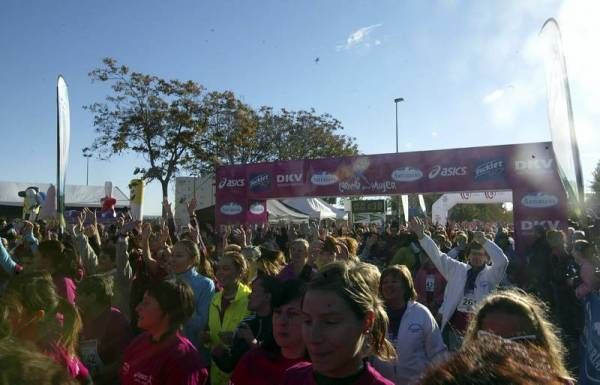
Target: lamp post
[87, 155]
[396, 101]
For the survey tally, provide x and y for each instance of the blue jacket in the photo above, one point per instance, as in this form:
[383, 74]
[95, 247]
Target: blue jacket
[204, 289]
[589, 369]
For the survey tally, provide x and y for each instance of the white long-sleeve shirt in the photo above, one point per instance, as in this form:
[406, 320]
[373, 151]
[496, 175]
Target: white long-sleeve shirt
[455, 273]
[418, 344]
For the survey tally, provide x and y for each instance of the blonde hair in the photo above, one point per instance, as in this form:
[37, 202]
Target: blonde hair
[370, 274]
[531, 310]
[348, 282]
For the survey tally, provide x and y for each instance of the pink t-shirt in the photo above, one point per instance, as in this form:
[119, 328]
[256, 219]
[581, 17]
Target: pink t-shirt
[66, 288]
[302, 374]
[257, 368]
[172, 361]
[74, 366]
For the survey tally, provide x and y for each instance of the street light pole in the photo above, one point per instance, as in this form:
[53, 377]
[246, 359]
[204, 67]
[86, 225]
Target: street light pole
[87, 155]
[396, 101]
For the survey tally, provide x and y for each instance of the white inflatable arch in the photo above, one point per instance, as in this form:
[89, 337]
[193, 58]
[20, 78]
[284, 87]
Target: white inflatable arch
[441, 207]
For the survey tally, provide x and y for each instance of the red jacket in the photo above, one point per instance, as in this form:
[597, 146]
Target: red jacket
[430, 285]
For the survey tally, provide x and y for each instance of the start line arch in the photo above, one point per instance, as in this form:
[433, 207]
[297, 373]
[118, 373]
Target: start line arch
[441, 207]
[528, 170]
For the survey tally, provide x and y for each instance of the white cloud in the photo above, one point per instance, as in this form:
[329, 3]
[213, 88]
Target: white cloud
[360, 37]
[493, 96]
[434, 134]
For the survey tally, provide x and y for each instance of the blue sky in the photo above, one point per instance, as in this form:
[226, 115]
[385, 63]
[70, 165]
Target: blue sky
[470, 71]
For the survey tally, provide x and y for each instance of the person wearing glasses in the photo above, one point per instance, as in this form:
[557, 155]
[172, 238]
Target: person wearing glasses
[519, 317]
[467, 283]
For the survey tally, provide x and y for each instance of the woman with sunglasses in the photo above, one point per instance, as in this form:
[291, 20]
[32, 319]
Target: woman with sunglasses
[467, 283]
[520, 317]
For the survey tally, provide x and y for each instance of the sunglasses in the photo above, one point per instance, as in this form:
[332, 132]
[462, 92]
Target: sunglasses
[525, 337]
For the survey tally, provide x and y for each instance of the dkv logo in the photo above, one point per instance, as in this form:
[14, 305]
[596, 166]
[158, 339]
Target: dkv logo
[289, 178]
[532, 165]
[538, 200]
[323, 178]
[231, 208]
[438, 170]
[529, 225]
[407, 174]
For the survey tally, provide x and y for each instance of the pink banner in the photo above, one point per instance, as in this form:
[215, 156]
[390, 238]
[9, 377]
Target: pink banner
[529, 170]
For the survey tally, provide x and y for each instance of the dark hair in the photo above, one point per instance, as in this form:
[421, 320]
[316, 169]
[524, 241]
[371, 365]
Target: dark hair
[402, 272]
[270, 285]
[288, 292]
[100, 285]
[176, 299]
[494, 360]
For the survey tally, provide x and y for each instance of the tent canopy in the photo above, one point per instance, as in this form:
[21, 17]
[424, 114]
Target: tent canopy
[280, 212]
[315, 208]
[441, 207]
[75, 195]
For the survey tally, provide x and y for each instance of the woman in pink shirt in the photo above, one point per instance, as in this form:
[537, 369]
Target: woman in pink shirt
[38, 315]
[344, 324]
[162, 355]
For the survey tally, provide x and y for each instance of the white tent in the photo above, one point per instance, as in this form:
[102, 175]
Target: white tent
[315, 208]
[75, 195]
[280, 212]
[441, 207]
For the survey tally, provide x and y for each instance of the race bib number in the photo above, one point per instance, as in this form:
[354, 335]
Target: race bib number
[430, 283]
[468, 303]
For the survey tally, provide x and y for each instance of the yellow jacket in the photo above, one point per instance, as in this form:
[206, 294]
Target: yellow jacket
[234, 314]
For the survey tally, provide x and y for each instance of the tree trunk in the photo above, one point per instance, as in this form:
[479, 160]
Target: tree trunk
[164, 184]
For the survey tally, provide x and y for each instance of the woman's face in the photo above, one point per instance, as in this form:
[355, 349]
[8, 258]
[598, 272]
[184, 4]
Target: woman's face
[588, 274]
[333, 335]
[325, 258]
[287, 320]
[477, 258]
[298, 253]
[258, 296]
[227, 272]
[150, 315]
[181, 259]
[392, 288]
[315, 248]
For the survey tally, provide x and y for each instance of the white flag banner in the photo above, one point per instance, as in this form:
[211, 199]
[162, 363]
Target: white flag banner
[63, 134]
[422, 204]
[405, 207]
[560, 112]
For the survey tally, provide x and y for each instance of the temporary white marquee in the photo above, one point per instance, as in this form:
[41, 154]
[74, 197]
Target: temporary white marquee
[315, 208]
[441, 207]
[280, 212]
[75, 195]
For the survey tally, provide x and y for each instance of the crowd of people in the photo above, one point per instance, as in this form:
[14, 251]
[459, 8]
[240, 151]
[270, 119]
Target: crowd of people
[136, 302]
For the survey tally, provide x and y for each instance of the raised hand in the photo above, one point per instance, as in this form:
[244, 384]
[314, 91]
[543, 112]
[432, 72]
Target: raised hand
[416, 226]
[479, 237]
